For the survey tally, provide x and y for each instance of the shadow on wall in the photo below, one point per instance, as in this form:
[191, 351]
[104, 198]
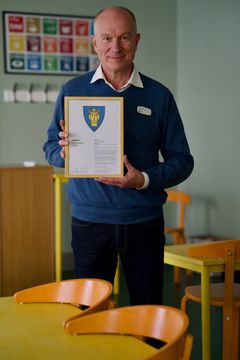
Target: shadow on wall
[199, 214]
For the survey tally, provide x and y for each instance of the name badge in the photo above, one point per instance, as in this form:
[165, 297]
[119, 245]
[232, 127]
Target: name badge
[143, 110]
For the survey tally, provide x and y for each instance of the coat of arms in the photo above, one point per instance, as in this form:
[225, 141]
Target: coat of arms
[94, 116]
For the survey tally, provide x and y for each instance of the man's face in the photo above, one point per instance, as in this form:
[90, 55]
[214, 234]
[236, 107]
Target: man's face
[115, 40]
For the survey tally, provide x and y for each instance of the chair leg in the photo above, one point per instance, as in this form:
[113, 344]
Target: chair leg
[235, 328]
[116, 284]
[235, 332]
[187, 347]
[176, 275]
[184, 303]
[227, 334]
[176, 270]
[189, 273]
[178, 238]
[182, 240]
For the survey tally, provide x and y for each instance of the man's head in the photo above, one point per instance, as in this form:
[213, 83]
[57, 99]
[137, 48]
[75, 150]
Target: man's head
[115, 39]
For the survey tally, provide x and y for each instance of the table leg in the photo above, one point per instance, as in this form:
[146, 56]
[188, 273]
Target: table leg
[58, 230]
[206, 334]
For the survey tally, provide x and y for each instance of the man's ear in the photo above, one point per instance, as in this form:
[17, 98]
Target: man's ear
[138, 37]
[94, 42]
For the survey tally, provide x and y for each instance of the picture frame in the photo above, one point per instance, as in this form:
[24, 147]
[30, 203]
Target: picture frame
[96, 137]
[48, 44]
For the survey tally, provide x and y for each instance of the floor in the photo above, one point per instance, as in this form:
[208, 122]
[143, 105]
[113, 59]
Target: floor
[172, 296]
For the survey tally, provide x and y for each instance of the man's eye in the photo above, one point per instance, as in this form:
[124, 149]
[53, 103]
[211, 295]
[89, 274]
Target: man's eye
[107, 38]
[125, 38]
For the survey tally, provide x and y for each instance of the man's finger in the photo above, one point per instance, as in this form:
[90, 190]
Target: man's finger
[62, 124]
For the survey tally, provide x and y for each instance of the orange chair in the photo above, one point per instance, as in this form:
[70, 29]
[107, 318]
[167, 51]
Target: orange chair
[90, 295]
[225, 294]
[159, 322]
[181, 199]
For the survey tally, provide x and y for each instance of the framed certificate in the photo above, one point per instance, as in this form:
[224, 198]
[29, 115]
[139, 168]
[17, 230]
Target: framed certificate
[95, 144]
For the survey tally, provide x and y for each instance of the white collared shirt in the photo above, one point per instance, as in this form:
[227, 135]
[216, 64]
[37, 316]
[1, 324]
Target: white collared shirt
[134, 80]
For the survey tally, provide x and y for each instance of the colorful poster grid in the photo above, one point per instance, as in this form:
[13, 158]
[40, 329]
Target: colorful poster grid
[48, 44]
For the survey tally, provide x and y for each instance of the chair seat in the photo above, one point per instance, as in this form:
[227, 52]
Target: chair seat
[216, 293]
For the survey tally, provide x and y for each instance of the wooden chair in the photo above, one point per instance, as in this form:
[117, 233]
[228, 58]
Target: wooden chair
[159, 322]
[225, 294]
[181, 199]
[90, 295]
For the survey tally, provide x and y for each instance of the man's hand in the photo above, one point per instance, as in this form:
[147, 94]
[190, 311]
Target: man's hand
[133, 178]
[64, 138]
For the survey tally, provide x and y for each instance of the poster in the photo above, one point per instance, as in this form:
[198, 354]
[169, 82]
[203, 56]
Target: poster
[48, 44]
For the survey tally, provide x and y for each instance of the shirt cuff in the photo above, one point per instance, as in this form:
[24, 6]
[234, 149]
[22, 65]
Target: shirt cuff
[146, 181]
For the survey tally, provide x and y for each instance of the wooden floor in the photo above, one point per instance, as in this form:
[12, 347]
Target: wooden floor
[172, 296]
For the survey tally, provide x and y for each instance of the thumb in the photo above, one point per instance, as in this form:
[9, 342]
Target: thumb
[127, 163]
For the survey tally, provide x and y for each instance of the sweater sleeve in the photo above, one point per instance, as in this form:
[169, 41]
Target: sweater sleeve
[51, 147]
[178, 162]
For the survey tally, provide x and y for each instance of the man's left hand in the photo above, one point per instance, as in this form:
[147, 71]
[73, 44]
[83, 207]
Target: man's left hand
[132, 179]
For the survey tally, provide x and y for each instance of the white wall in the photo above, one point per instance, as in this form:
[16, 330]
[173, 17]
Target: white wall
[209, 97]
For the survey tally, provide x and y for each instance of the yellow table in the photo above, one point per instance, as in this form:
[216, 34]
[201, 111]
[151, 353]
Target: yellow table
[176, 255]
[35, 331]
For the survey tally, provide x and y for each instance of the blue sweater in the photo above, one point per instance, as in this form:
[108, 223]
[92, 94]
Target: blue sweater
[144, 137]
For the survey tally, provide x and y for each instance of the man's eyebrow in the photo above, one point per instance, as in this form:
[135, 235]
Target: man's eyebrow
[105, 34]
[125, 33]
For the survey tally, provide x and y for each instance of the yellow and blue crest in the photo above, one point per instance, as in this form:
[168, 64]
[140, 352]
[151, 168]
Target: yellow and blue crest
[94, 116]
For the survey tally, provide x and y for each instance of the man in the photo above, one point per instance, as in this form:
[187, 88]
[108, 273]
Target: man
[124, 216]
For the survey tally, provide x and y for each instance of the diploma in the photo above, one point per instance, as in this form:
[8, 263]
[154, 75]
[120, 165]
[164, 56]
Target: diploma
[95, 143]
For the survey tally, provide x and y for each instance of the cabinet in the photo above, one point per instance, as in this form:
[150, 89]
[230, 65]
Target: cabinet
[26, 228]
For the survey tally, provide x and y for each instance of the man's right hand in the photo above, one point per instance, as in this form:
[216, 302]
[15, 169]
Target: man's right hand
[63, 135]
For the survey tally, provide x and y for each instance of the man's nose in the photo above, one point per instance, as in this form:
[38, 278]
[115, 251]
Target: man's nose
[116, 45]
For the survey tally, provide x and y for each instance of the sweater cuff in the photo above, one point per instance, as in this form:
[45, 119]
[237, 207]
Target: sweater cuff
[146, 181]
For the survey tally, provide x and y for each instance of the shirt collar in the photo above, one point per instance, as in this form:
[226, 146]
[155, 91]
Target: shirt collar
[134, 79]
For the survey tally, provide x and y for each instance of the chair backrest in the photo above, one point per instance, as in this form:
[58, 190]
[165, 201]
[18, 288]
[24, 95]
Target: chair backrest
[92, 293]
[229, 250]
[214, 250]
[181, 199]
[159, 322]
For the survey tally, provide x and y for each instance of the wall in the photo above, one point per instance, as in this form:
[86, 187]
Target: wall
[23, 126]
[200, 66]
[208, 58]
